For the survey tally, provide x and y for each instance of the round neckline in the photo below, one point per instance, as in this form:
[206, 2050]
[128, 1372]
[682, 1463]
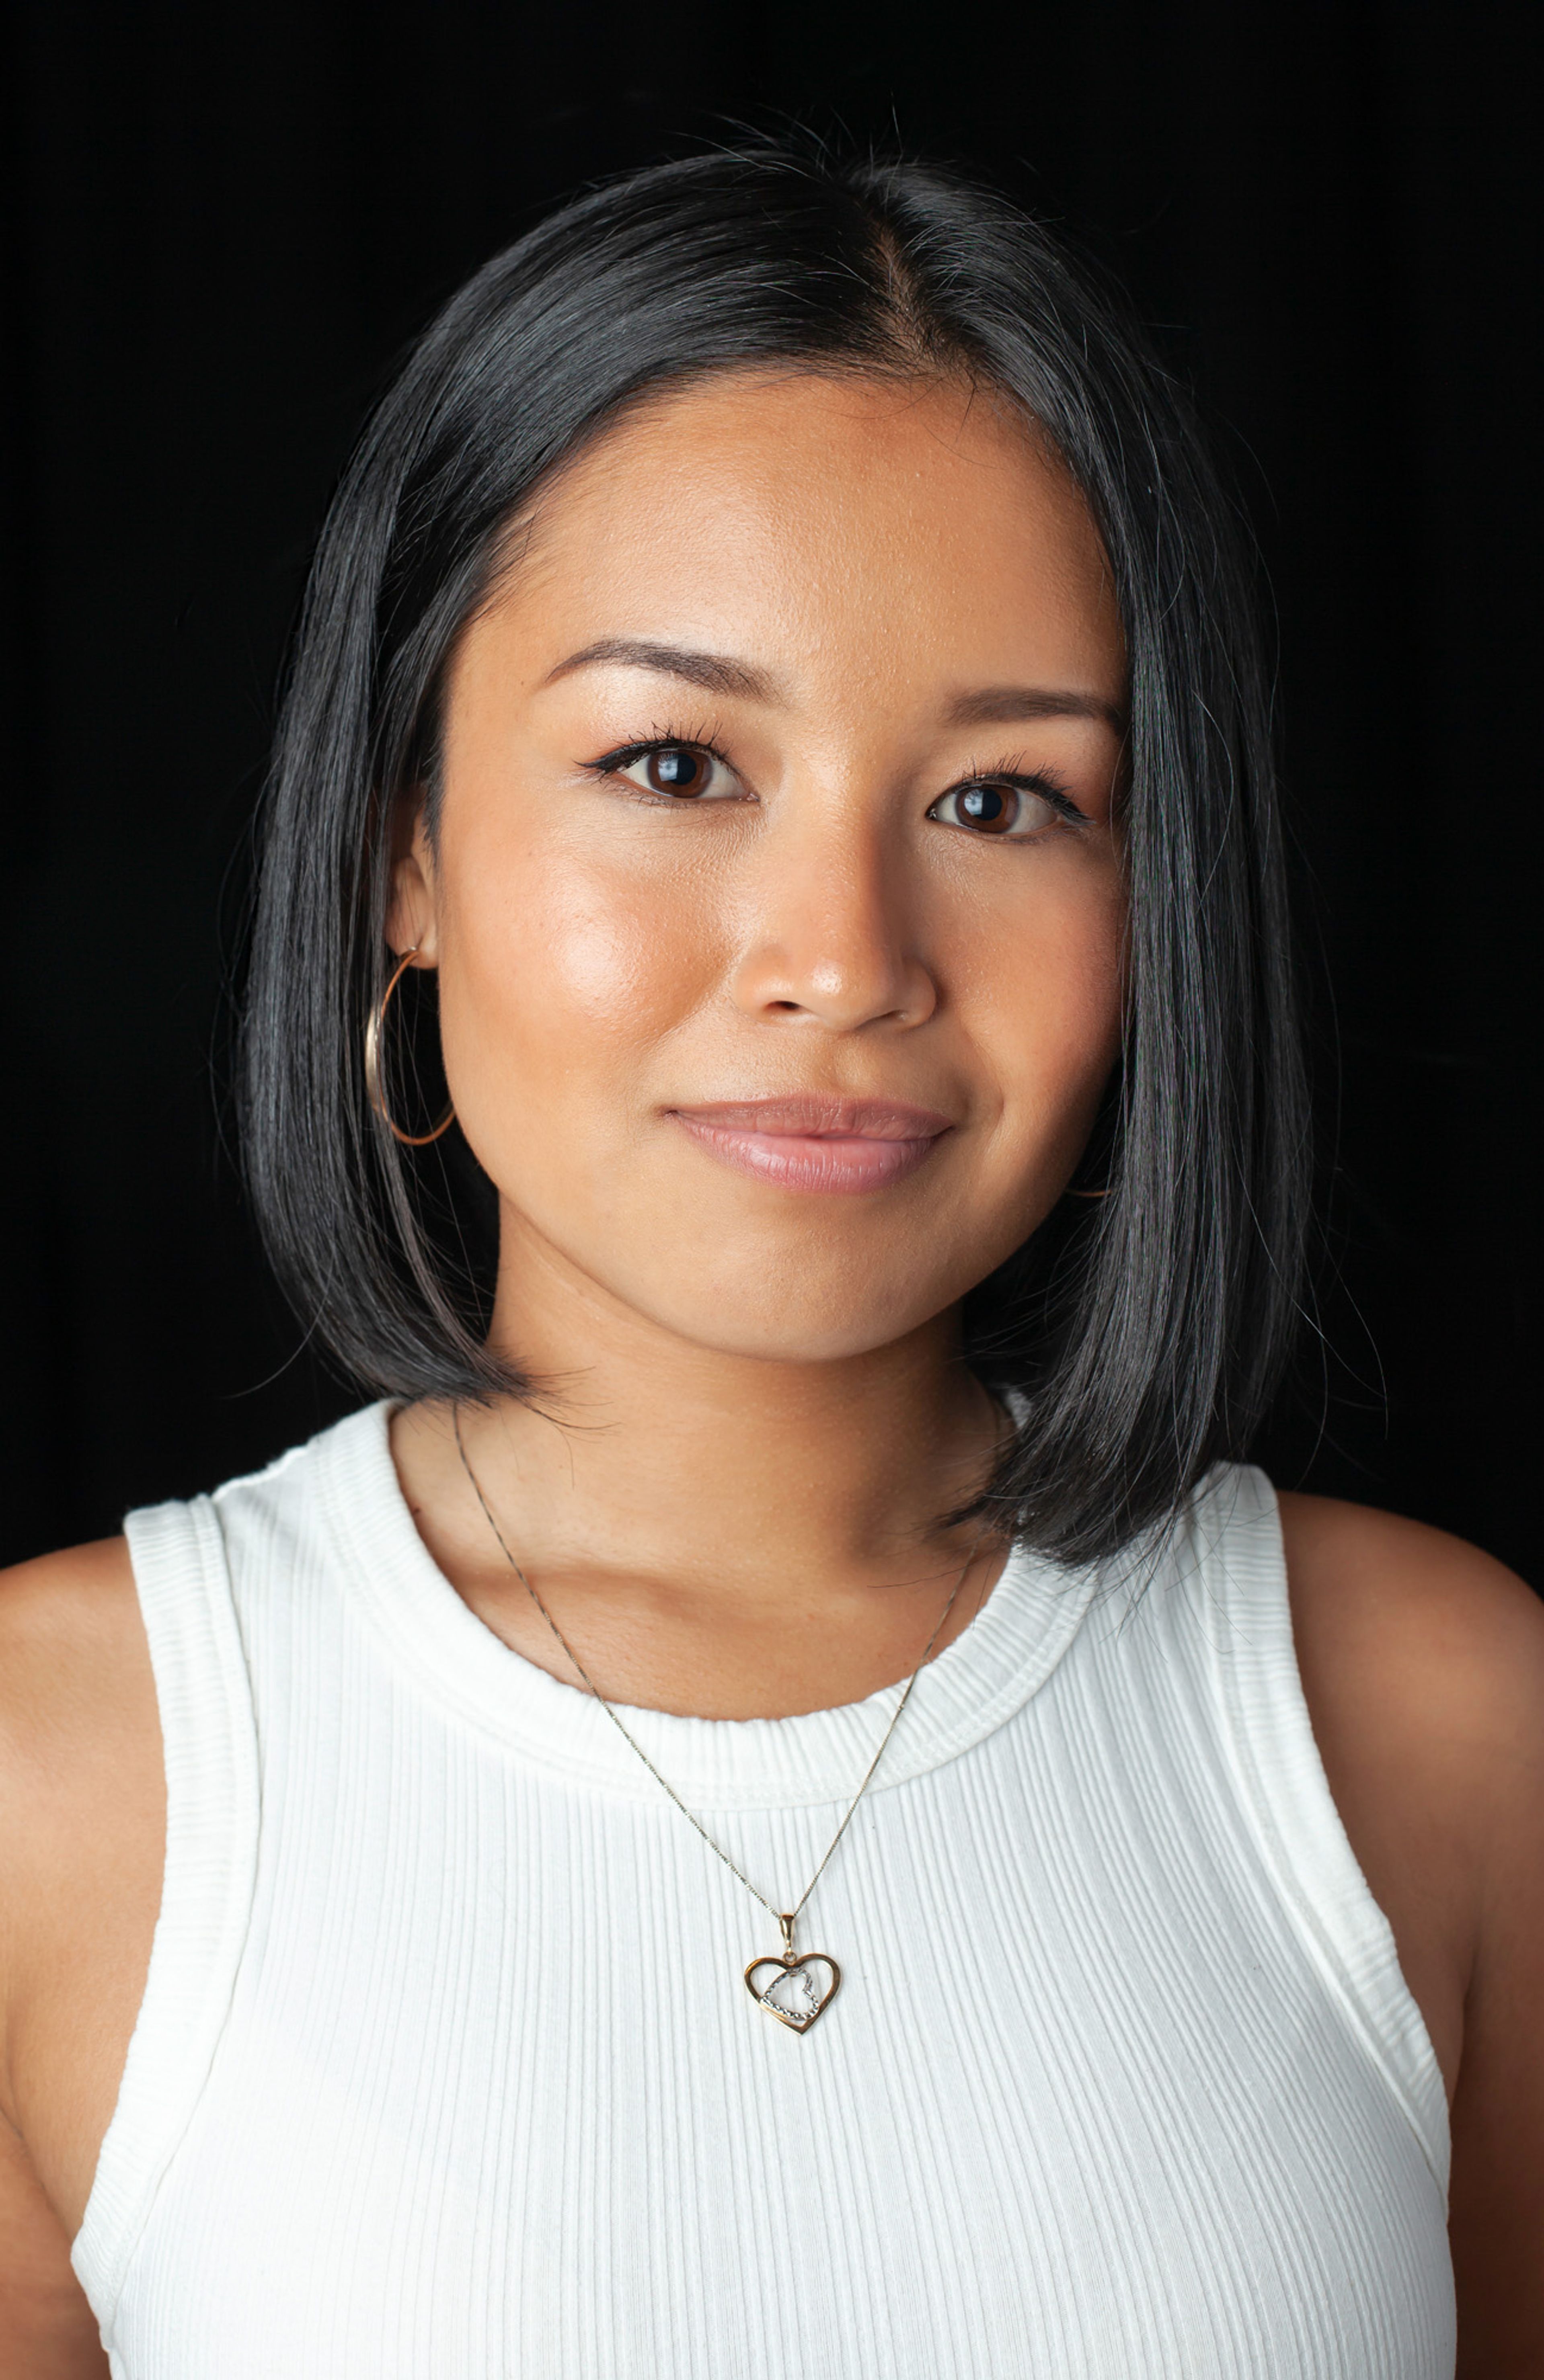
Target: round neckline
[970, 1690]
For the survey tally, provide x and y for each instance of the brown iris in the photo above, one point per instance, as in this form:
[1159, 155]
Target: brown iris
[676, 769]
[991, 808]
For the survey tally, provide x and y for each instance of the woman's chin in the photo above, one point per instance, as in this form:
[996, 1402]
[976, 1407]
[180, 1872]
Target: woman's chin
[773, 1319]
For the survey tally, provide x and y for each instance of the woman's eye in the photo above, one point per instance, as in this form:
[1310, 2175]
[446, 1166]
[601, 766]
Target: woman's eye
[683, 772]
[996, 808]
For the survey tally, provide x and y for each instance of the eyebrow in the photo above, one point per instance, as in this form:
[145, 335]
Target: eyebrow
[720, 674]
[990, 706]
[717, 672]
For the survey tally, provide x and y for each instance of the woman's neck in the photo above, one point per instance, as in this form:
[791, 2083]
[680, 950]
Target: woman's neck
[707, 1527]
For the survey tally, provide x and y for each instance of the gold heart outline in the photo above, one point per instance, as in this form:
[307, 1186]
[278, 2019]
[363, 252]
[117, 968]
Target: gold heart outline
[788, 1965]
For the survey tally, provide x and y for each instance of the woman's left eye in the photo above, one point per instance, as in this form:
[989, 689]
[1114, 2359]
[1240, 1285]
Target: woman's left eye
[679, 771]
[994, 807]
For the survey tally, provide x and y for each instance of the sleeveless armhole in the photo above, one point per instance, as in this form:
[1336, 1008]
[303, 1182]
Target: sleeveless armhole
[204, 1700]
[1236, 1540]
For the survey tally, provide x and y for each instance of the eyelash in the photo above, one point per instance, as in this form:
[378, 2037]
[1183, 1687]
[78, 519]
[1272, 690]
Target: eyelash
[1040, 782]
[1044, 782]
[625, 755]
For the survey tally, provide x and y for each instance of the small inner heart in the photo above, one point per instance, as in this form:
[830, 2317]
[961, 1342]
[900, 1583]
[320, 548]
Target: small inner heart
[799, 1992]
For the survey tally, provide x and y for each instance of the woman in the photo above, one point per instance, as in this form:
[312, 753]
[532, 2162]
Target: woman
[782, 1801]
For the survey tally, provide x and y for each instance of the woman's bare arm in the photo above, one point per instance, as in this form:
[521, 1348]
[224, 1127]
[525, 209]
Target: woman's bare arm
[1423, 1663]
[47, 2330]
[81, 1833]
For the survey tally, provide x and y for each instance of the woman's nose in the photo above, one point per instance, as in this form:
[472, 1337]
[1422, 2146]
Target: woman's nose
[831, 936]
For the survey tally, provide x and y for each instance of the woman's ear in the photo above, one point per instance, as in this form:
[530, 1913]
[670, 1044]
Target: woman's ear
[412, 912]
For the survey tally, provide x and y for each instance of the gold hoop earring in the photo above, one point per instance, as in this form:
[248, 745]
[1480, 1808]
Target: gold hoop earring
[373, 1086]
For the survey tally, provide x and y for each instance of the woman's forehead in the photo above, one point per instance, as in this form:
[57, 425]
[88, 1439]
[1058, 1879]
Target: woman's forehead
[806, 522]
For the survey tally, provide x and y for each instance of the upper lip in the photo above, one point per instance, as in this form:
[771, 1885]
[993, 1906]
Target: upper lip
[822, 1118]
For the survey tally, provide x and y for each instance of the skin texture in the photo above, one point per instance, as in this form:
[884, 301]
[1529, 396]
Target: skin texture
[751, 1405]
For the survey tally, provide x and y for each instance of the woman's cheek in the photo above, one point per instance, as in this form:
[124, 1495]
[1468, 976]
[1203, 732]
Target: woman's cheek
[1049, 1026]
[570, 972]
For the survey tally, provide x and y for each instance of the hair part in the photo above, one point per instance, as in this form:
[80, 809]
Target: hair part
[1141, 1332]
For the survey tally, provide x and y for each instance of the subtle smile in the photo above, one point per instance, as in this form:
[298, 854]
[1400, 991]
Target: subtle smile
[818, 1144]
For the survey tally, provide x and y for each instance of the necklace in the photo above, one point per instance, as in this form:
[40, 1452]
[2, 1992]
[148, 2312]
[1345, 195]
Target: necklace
[794, 1986]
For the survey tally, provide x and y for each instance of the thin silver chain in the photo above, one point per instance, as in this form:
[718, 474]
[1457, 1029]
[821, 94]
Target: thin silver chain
[630, 1737]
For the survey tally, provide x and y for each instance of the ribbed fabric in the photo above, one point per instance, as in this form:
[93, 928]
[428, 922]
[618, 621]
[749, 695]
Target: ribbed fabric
[445, 2070]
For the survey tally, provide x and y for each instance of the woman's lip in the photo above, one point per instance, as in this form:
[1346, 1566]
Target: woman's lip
[818, 1118]
[829, 1145]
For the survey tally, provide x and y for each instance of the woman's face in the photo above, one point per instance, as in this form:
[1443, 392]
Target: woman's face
[775, 898]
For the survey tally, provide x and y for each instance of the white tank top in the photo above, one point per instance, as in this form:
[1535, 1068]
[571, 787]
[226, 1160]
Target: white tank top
[445, 2070]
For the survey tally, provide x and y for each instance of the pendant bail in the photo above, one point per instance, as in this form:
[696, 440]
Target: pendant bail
[787, 1925]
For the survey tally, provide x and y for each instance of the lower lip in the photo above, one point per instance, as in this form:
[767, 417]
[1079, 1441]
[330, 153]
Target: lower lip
[797, 1160]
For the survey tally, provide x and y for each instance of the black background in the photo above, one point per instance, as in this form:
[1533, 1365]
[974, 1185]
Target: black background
[230, 220]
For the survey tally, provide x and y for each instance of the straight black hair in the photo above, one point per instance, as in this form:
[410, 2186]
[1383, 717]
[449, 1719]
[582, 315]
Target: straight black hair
[1143, 1330]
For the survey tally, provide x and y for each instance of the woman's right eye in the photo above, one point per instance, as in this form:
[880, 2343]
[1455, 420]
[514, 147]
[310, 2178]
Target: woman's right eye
[682, 771]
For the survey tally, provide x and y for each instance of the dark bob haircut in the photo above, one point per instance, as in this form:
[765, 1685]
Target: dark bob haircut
[1143, 1330]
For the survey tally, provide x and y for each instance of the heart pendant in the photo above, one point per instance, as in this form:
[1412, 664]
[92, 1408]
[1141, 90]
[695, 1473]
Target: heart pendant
[795, 1990]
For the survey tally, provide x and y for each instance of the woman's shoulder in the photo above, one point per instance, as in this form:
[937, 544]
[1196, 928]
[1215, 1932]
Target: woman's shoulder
[1422, 1662]
[80, 1736]
[74, 1660]
[1406, 1632]
[80, 1844]
[81, 1783]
